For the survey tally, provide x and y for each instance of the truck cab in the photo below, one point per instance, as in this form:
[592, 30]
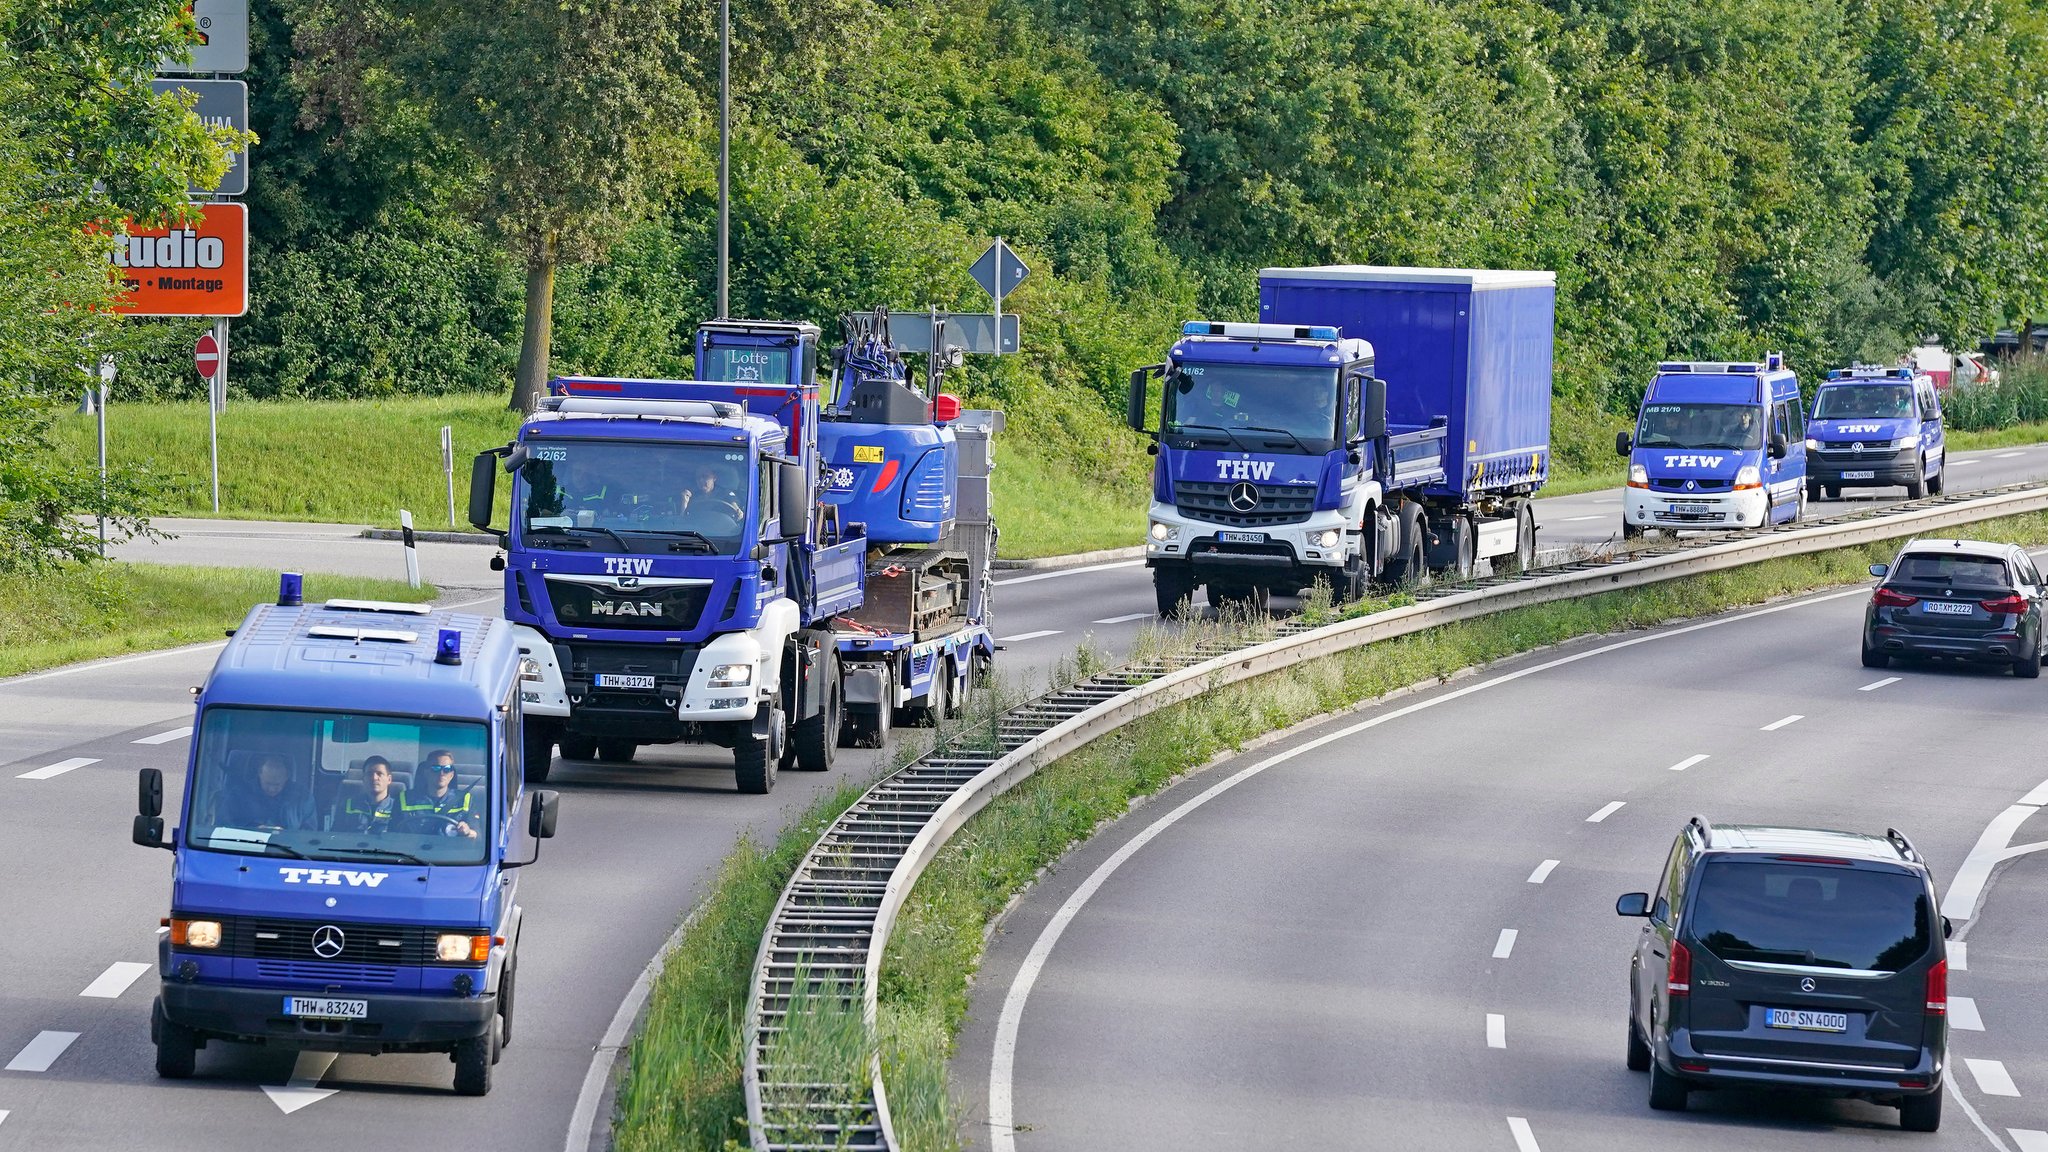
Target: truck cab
[1717, 445]
[345, 860]
[1873, 427]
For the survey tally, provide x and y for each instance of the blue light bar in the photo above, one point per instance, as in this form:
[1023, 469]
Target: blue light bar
[1201, 328]
[290, 587]
[1322, 332]
[448, 646]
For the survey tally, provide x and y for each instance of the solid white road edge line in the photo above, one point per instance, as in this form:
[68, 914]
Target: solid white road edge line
[1609, 809]
[115, 663]
[1992, 1078]
[1879, 684]
[1505, 946]
[41, 1052]
[1525, 1140]
[1002, 1063]
[52, 771]
[582, 1135]
[165, 737]
[1774, 726]
[1057, 573]
[1496, 1030]
[1688, 762]
[1966, 887]
[1955, 1092]
[116, 979]
[1542, 871]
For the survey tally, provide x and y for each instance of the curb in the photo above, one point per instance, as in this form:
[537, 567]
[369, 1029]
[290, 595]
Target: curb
[431, 537]
[1074, 560]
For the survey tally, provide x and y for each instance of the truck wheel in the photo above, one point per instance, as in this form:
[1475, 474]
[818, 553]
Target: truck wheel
[1249, 599]
[1407, 561]
[1525, 536]
[617, 751]
[872, 731]
[817, 737]
[1915, 489]
[578, 747]
[1813, 491]
[754, 761]
[934, 708]
[1468, 547]
[177, 1047]
[537, 750]
[1174, 589]
[473, 1060]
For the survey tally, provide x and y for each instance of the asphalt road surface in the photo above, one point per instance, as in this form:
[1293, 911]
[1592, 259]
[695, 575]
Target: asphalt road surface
[1395, 928]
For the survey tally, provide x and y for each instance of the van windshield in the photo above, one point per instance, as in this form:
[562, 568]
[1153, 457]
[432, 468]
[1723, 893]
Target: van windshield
[1864, 402]
[1700, 426]
[1819, 915]
[312, 785]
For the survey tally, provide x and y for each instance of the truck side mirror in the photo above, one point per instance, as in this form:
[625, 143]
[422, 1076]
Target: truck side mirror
[1372, 417]
[483, 489]
[1623, 445]
[149, 792]
[792, 501]
[1134, 401]
[1633, 904]
[540, 819]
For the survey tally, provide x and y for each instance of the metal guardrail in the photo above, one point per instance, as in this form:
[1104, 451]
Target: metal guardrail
[831, 925]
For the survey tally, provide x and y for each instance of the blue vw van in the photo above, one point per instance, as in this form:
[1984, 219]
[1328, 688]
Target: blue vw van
[1873, 427]
[1717, 445]
[345, 866]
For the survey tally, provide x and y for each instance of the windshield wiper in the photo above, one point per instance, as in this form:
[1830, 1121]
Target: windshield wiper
[1229, 437]
[1281, 431]
[620, 540]
[266, 845]
[690, 537]
[386, 853]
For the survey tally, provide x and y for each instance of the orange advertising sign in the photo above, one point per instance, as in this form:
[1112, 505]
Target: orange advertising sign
[198, 266]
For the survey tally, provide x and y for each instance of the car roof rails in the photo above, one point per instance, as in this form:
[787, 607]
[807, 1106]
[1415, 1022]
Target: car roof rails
[1904, 846]
[1706, 830]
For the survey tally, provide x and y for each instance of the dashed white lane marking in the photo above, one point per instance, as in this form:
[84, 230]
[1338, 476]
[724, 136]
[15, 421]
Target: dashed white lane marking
[1126, 619]
[167, 737]
[115, 980]
[1775, 725]
[1992, 1078]
[1688, 762]
[3, 1115]
[41, 1052]
[2029, 1139]
[1542, 871]
[2008, 455]
[1958, 956]
[1612, 807]
[1879, 684]
[1608, 500]
[1070, 572]
[1022, 636]
[1506, 944]
[1576, 519]
[1525, 1140]
[1962, 1013]
[1963, 463]
[1496, 1030]
[59, 768]
[304, 1086]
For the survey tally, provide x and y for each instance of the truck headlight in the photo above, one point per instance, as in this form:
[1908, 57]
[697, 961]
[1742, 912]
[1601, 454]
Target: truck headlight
[1812, 445]
[1748, 476]
[529, 668]
[1327, 538]
[460, 947]
[1638, 476]
[195, 933]
[1164, 532]
[732, 676]
[1912, 441]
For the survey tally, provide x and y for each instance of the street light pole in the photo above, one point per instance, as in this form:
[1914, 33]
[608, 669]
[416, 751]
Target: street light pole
[724, 148]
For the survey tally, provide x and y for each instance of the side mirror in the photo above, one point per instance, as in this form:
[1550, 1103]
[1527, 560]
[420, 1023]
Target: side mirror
[1778, 447]
[149, 793]
[792, 501]
[1880, 570]
[1134, 401]
[540, 819]
[483, 488]
[149, 832]
[1372, 415]
[1948, 928]
[1633, 904]
[1623, 445]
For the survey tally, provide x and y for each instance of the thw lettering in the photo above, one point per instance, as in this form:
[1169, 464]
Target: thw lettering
[1244, 469]
[627, 566]
[334, 876]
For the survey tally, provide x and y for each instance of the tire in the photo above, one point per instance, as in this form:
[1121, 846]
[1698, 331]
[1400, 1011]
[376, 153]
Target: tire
[577, 747]
[1251, 599]
[1173, 589]
[1667, 1092]
[1813, 491]
[617, 751]
[1799, 509]
[506, 988]
[1638, 1052]
[1938, 481]
[1466, 532]
[2027, 667]
[871, 729]
[177, 1047]
[1921, 1113]
[1915, 489]
[537, 750]
[929, 713]
[754, 761]
[1525, 537]
[1408, 563]
[473, 1060]
[1834, 491]
[1631, 531]
[1872, 658]
[817, 737]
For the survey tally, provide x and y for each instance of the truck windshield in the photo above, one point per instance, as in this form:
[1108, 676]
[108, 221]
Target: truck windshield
[1700, 426]
[1864, 402]
[312, 785]
[1254, 404]
[635, 497]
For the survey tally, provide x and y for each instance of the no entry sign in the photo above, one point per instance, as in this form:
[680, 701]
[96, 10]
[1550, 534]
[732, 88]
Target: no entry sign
[206, 356]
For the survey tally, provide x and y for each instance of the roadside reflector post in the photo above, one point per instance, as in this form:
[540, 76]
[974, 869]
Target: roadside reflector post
[106, 380]
[448, 469]
[412, 555]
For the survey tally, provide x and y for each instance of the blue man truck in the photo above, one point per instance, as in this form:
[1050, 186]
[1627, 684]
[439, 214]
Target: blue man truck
[1718, 445]
[1376, 425]
[731, 561]
[345, 867]
[1873, 427]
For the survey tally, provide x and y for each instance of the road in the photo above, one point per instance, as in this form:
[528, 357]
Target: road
[1395, 929]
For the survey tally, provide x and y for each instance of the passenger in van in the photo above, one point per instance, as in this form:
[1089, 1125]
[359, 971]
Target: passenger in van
[379, 807]
[269, 803]
[1742, 432]
[443, 798]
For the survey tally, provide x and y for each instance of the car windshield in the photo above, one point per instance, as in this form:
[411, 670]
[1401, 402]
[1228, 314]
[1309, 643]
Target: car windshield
[1864, 402]
[311, 785]
[1954, 571]
[1820, 915]
[1701, 426]
[1254, 404]
[634, 497]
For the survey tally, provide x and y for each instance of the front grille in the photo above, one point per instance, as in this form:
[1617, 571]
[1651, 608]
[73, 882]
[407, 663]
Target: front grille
[1883, 454]
[669, 664]
[675, 608]
[1278, 504]
[327, 973]
[291, 942]
[1698, 485]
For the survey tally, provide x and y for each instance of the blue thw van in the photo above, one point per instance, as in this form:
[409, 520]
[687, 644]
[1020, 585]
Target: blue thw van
[1717, 445]
[1873, 427]
[345, 865]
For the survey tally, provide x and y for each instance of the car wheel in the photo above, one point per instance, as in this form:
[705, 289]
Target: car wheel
[1873, 658]
[2027, 667]
[1921, 1113]
[1638, 1052]
[1667, 1092]
[1915, 489]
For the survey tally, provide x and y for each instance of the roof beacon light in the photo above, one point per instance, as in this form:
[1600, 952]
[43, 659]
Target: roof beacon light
[1261, 331]
[1774, 361]
[290, 586]
[448, 648]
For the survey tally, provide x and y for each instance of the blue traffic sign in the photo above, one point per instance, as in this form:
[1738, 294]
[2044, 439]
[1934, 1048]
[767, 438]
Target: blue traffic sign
[999, 271]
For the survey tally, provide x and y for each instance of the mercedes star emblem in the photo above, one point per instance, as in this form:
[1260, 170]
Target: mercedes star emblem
[1244, 496]
[327, 941]
[1806, 985]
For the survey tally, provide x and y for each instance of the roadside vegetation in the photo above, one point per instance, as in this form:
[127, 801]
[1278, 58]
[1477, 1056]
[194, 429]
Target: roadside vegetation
[87, 611]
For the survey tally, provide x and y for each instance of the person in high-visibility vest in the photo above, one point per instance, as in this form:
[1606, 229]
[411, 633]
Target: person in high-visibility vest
[442, 798]
[379, 808]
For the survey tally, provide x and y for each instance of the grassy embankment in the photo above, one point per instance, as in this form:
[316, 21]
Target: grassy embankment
[88, 611]
[682, 1085]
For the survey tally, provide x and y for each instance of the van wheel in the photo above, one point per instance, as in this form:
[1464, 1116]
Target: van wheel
[1638, 1052]
[1915, 489]
[537, 750]
[1813, 491]
[473, 1060]
[1921, 1113]
[177, 1047]
[578, 747]
[506, 988]
[1667, 1092]
[1935, 482]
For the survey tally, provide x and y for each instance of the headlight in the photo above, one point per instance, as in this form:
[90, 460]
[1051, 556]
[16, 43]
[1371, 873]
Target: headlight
[732, 675]
[1327, 538]
[1812, 445]
[1912, 441]
[195, 933]
[1747, 476]
[1164, 532]
[1638, 476]
[457, 948]
[529, 668]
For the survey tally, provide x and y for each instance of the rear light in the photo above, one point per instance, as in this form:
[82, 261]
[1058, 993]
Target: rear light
[1692, 1067]
[1886, 598]
[1678, 976]
[945, 408]
[2008, 605]
[1937, 989]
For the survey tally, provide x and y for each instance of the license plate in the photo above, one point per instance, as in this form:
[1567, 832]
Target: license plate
[1802, 1020]
[618, 680]
[323, 1008]
[1241, 537]
[1948, 608]
[1866, 474]
[1692, 509]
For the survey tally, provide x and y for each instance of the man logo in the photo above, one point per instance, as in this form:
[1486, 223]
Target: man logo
[328, 941]
[626, 583]
[624, 608]
[1244, 496]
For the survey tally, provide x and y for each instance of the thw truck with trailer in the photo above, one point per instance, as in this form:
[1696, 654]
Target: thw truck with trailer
[1375, 425]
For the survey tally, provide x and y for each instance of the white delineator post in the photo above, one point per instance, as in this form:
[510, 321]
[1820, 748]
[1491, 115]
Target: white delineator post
[412, 553]
[448, 469]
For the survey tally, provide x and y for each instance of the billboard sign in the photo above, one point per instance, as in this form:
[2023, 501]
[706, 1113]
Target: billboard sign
[222, 44]
[197, 266]
[219, 104]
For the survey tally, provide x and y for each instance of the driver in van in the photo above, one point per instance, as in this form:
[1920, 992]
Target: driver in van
[456, 805]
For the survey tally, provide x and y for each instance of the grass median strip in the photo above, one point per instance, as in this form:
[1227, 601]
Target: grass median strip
[89, 611]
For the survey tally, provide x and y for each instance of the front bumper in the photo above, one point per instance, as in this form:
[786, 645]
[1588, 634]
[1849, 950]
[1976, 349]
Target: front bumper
[1283, 548]
[1834, 471]
[395, 1023]
[1703, 1070]
[1653, 508]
